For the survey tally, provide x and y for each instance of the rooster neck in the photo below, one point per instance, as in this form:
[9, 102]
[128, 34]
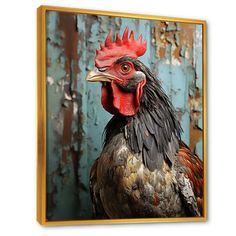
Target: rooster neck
[154, 131]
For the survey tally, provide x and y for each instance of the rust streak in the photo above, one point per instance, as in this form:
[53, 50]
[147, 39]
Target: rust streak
[67, 24]
[195, 136]
[162, 52]
[176, 53]
[195, 132]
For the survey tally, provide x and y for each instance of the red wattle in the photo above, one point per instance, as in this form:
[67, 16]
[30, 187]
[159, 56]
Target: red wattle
[107, 99]
[115, 100]
[123, 101]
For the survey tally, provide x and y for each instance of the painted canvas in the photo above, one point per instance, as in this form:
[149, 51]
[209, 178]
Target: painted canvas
[124, 117]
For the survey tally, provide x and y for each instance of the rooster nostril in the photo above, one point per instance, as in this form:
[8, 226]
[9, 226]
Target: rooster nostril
[102, 69]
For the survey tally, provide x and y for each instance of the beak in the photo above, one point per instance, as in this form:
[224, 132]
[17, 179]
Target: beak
[96, 76]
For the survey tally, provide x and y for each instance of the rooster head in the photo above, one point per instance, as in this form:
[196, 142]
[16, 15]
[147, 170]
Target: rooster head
[117, 70]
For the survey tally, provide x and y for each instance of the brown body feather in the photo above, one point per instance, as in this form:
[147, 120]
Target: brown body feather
[194, 171]
[122, 187]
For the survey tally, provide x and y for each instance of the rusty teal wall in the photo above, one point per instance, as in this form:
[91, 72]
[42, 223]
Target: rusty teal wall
[75, 117]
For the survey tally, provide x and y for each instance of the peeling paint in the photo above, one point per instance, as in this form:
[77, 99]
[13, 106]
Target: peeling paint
[50, 80]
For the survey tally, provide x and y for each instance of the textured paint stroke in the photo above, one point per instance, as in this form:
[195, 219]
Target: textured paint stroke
[75, 117]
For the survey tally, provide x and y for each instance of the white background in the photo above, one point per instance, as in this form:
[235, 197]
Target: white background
[18, 116]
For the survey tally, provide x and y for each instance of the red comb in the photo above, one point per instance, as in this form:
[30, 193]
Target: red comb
[127, 46]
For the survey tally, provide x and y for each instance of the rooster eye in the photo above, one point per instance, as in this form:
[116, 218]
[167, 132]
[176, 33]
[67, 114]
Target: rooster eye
[125, 68]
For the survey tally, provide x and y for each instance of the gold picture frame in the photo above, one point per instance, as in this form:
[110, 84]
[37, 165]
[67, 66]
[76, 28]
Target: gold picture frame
[42, 115]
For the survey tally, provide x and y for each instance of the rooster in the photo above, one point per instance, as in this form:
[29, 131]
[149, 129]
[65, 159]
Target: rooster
[144, 169]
